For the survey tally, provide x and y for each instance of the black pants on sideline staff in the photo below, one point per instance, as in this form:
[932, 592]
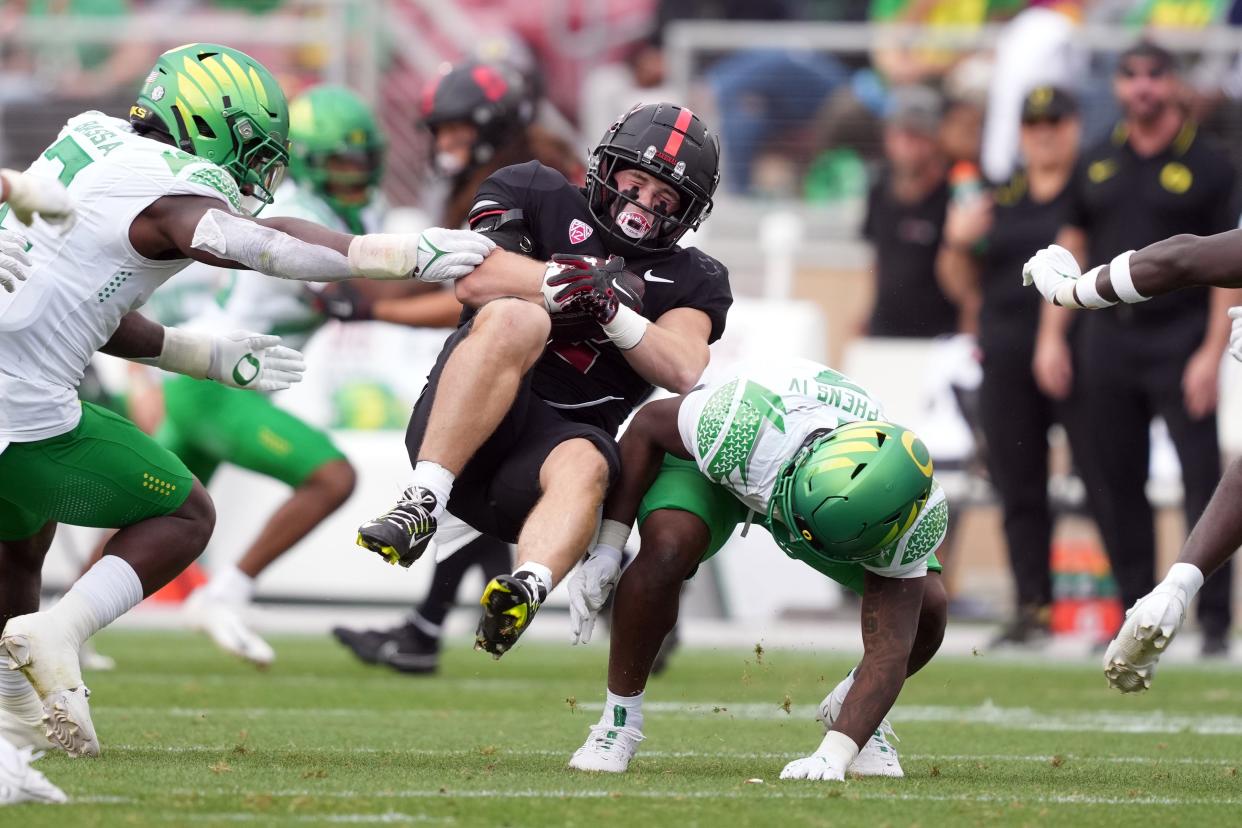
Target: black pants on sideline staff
[1126, 376]
[1016, 417]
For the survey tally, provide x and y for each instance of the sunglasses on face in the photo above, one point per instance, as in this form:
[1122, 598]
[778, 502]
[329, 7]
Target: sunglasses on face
[1050, 120]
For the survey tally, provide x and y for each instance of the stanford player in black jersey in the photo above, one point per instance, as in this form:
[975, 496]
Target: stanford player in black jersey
[514, 432]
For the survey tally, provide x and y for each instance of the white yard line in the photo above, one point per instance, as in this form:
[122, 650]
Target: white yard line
[986, 714]
[679, 754]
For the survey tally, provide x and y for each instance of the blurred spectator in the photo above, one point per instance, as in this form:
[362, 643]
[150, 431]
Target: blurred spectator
[1152, 179]
[987, 239]
[905, 215]
[1036, 49]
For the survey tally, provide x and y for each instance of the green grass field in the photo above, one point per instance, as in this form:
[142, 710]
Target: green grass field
[191, 737]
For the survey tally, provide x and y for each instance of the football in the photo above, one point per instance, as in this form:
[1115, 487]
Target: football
[576, 326]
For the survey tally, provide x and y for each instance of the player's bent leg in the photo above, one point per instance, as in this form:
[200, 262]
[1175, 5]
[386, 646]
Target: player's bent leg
[573, 479]
[645, 608]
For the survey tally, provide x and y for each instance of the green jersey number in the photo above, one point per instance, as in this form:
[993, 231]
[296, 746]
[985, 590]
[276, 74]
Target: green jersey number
[72, 156]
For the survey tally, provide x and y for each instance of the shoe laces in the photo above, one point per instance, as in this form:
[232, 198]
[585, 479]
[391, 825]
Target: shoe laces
[605, 736]
[413, 511]
[885, 732]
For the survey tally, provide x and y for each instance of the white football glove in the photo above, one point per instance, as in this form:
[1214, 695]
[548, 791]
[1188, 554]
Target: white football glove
[1235, 333]
[590, 588]
[29, 194]
[14, 262]
[1153, 621]
[815, 766]
[255, 361]
[1049, 269]
[445, 255]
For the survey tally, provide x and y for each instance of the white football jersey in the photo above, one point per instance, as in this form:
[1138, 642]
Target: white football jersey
[742, 428]
[83, 281]
[250, 301]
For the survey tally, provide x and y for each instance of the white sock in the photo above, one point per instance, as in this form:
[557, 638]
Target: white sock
[623, 711]
[18, 697]
[837, 697]
[231, 586]
[541, 574]
[108, 590]
[436, 479]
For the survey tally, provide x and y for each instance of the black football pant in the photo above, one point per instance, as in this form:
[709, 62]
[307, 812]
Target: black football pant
[1016, 417]
[1125, 376]
[490, 555]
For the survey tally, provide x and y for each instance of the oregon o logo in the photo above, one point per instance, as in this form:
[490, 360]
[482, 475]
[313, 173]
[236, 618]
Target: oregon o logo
[1176, 177]
[251, 366]
[917, 451]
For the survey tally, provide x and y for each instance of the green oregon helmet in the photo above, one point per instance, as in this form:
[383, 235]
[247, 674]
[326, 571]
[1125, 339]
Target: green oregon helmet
[223, 106]
[336, 148]
[847, 495]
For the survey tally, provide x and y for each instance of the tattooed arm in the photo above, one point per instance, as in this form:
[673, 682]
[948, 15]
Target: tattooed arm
[890, 617]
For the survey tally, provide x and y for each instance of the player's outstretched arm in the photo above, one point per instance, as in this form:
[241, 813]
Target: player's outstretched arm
[651, 433]
[1136, 276]
[30, 195]
[196, 227]
[890, 618]
[239, 359]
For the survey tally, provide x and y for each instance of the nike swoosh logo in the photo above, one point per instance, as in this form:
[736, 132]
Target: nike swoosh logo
[651, 277]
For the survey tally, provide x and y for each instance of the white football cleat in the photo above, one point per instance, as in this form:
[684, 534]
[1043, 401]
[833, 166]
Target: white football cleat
[48, 656]
[1153, 621]
[21, 783]
[224, 625]
[876, 758]
[21, 721]
[608, 749]
[92, 659]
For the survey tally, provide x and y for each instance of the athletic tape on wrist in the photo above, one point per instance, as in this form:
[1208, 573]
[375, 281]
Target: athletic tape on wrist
[382, 256]
[1088, 295]
[627, 328]
[838, 747]
[1123, 283]
[1187, 576]
[1064, 294]
[613, 533]
[186, 352]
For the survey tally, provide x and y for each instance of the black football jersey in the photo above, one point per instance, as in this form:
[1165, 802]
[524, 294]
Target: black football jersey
[590, 380]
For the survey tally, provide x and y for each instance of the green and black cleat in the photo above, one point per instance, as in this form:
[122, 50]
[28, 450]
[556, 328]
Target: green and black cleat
[401, 536]
[509, 604]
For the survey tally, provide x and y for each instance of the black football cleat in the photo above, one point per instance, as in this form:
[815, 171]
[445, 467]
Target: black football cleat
[406, 648]
[401, 536]
[509, 604]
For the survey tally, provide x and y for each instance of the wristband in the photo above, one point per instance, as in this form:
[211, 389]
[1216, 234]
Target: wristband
[382, 256]
[1088, 295]
[186, 352]
[627, 328]
[610, 553]
[613, 533]
[838, 748]
[1188, 577]
[1123, 284]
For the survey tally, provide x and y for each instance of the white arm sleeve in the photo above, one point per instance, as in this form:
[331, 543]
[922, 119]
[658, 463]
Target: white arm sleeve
[268, 251]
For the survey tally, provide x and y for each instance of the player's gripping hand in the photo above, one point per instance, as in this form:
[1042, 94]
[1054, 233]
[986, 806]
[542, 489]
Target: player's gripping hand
[444, 254]
[256, 361]
[815, 766]
[586, 284]
[14, 263]
[1049, 269]
[29, 194]
[1153, 621]
[589, 588]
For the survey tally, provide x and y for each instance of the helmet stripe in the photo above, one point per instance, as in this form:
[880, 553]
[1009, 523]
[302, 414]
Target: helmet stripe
[260, 91]
[217, 71]
[239, 74]
[206, 83]
[834, 447]
[673, 145]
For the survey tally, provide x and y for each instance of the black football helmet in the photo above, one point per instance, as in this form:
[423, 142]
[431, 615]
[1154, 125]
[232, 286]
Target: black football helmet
[491, 96]
[669, 142]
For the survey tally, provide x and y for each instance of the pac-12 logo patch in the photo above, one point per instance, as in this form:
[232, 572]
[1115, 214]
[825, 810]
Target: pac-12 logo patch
[579, 231]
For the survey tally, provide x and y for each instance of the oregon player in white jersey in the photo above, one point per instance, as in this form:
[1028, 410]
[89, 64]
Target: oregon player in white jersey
[335, 169]
[806, 451]
[206, 140]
